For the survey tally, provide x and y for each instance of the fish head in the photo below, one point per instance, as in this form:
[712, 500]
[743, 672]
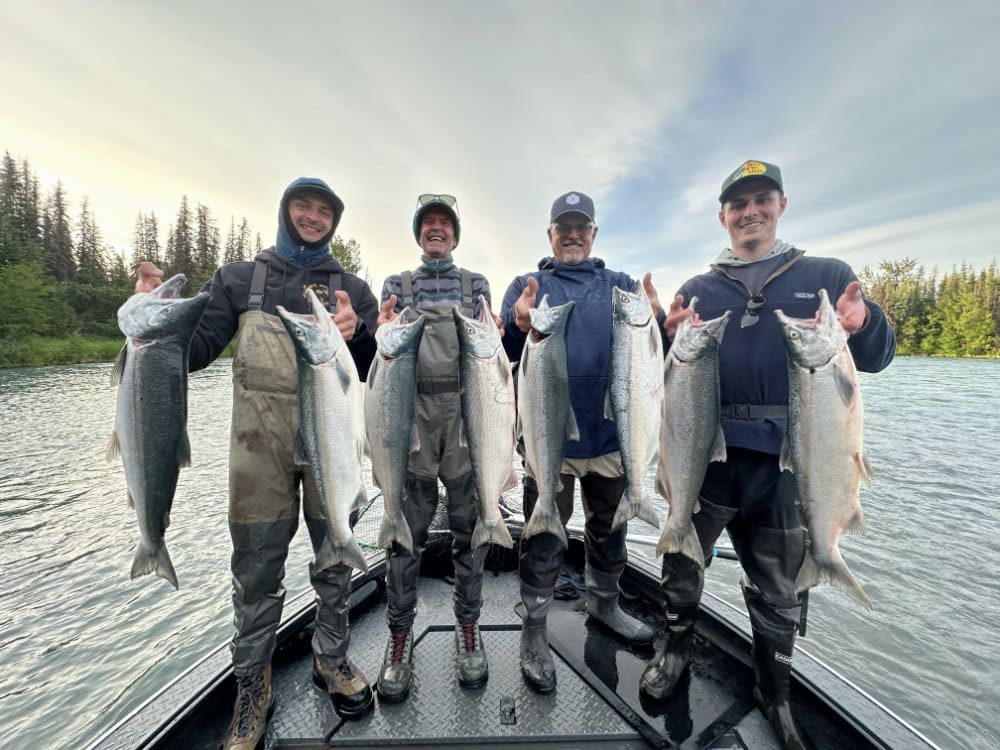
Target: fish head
[477, 337]
[315, 338]
[812, 342]
[630, 308]
[694, 341]
[549, 321]
[401, 335]
[161, 312]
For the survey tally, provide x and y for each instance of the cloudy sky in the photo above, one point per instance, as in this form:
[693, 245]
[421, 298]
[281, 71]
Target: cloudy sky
[884, 117]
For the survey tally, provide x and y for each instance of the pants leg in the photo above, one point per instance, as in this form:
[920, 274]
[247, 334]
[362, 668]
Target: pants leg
[403, 569]
[463, 511]
[541, 556]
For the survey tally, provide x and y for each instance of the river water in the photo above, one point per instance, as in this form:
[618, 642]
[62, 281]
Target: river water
[81, 645]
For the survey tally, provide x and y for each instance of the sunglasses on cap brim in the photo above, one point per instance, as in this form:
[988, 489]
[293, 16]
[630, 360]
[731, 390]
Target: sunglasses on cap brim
[427, 198]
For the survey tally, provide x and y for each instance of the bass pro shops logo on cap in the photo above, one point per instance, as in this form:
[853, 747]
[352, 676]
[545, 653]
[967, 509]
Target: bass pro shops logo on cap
[749, 170]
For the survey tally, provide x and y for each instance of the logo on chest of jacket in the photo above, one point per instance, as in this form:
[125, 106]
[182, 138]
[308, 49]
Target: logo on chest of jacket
[805, 295]
[322, 292]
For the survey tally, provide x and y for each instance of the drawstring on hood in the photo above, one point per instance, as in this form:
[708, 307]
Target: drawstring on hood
[289, 245]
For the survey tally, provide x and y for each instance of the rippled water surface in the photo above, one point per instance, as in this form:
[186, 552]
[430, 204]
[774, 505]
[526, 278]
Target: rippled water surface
[81, 645]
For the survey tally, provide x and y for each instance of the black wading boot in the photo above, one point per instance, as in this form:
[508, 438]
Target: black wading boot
[602, 605]
[397, 667]
[537, 665]
[672, 659]
[349, 690]
[772, 666]
[254, 706]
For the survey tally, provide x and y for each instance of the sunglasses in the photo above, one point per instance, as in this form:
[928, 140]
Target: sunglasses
[751, 316]
[449, 200]
[567, 228]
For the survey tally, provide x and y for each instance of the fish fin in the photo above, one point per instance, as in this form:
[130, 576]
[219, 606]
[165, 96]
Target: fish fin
[463, 439]
[673, 540]
[856, 524]
[300, 451]
[375, 480]
[118, 368]
[696, 505]
[395, 532]
[662, 487]
[808, 574]
[505, 375]
[414, 438]
[183, 450]
[361, 500]
[624, 512]
[864, 468]
[129, 498]
[785, 460]
[646, 512]
[845, 384]
[114, 449]
[510, 482]
[609, 411]
[572, 431]
[835, 572]
[342, 373]
[495, 533]
[719, 446]
[157, 562]
[545, 523]
[350, 553]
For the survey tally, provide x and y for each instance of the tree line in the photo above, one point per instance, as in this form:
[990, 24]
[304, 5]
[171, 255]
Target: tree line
[956, 314]
[59, 278]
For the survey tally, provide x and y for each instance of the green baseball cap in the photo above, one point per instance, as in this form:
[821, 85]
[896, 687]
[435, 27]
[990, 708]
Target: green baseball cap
[749, 170]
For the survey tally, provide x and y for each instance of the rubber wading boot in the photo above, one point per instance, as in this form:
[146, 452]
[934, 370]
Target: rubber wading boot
[473, 670]
[254, 706]
[349, 690]
[662, 674]
[397, 667]
[772, 666]
[603, 606]
[537, 665]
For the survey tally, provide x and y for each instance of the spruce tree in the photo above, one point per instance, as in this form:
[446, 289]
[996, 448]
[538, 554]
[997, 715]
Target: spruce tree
[57, 237]
[91, 266]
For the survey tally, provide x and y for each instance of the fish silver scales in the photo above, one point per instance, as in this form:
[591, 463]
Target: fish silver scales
[489, 417]
[635, 398]
[691, 436]
[824, 446]
[150, 433]
[331, 427]
[544, 412]
[392, 434]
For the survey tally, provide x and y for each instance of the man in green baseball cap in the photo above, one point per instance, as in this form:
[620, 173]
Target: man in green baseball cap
[751, 170]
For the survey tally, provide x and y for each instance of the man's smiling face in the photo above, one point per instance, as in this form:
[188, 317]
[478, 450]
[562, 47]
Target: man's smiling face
[750, 215]
[437, 233]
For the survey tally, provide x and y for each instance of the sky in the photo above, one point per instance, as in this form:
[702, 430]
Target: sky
[883, 116]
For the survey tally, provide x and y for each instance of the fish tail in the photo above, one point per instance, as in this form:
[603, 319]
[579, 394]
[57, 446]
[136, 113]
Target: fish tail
[398, 532]
[673, 541]
[545, 523]
[157, 561]
[623, 513]
[835, 572]
[348, 553]
[497, 533]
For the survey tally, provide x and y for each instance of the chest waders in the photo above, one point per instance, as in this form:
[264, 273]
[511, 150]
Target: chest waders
[264, 486]
[438, 417]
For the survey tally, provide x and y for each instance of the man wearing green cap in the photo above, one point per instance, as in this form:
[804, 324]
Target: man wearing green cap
[749, 494]
[434, 288]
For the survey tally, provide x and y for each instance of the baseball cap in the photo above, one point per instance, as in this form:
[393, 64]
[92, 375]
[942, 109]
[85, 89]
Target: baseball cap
[572, 203]
[749, 170]
[441, 201]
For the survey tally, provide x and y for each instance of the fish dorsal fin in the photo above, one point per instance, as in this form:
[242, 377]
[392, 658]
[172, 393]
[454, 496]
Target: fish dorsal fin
[113, 450]
[184, 450]
[415, 438]
[845, 384]
[785, 462]
[865, 469]
[609, 409]
[118, 368]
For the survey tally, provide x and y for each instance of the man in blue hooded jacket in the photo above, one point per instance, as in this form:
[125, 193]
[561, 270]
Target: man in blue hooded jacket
[264, 480]
[571, 274]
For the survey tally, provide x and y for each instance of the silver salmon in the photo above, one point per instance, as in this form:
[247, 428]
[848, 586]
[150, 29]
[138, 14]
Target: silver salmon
[824, 444]
[691, 437]
[331, 437]
[150, 433]
[392, 433]
[489, 418]
[634, 400]
[544, 412]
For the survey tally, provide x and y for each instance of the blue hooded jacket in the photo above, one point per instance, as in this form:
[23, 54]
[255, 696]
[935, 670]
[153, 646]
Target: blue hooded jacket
[289, 245]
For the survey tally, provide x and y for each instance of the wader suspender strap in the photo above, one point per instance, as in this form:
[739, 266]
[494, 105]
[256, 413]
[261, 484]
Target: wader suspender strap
[467, 307]
[258, 282]
[406, 289]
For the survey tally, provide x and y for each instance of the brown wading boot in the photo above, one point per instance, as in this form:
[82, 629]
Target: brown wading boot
[397, 667]
[349, 690]
[473, 669]
[254, 706]
[772, 666]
